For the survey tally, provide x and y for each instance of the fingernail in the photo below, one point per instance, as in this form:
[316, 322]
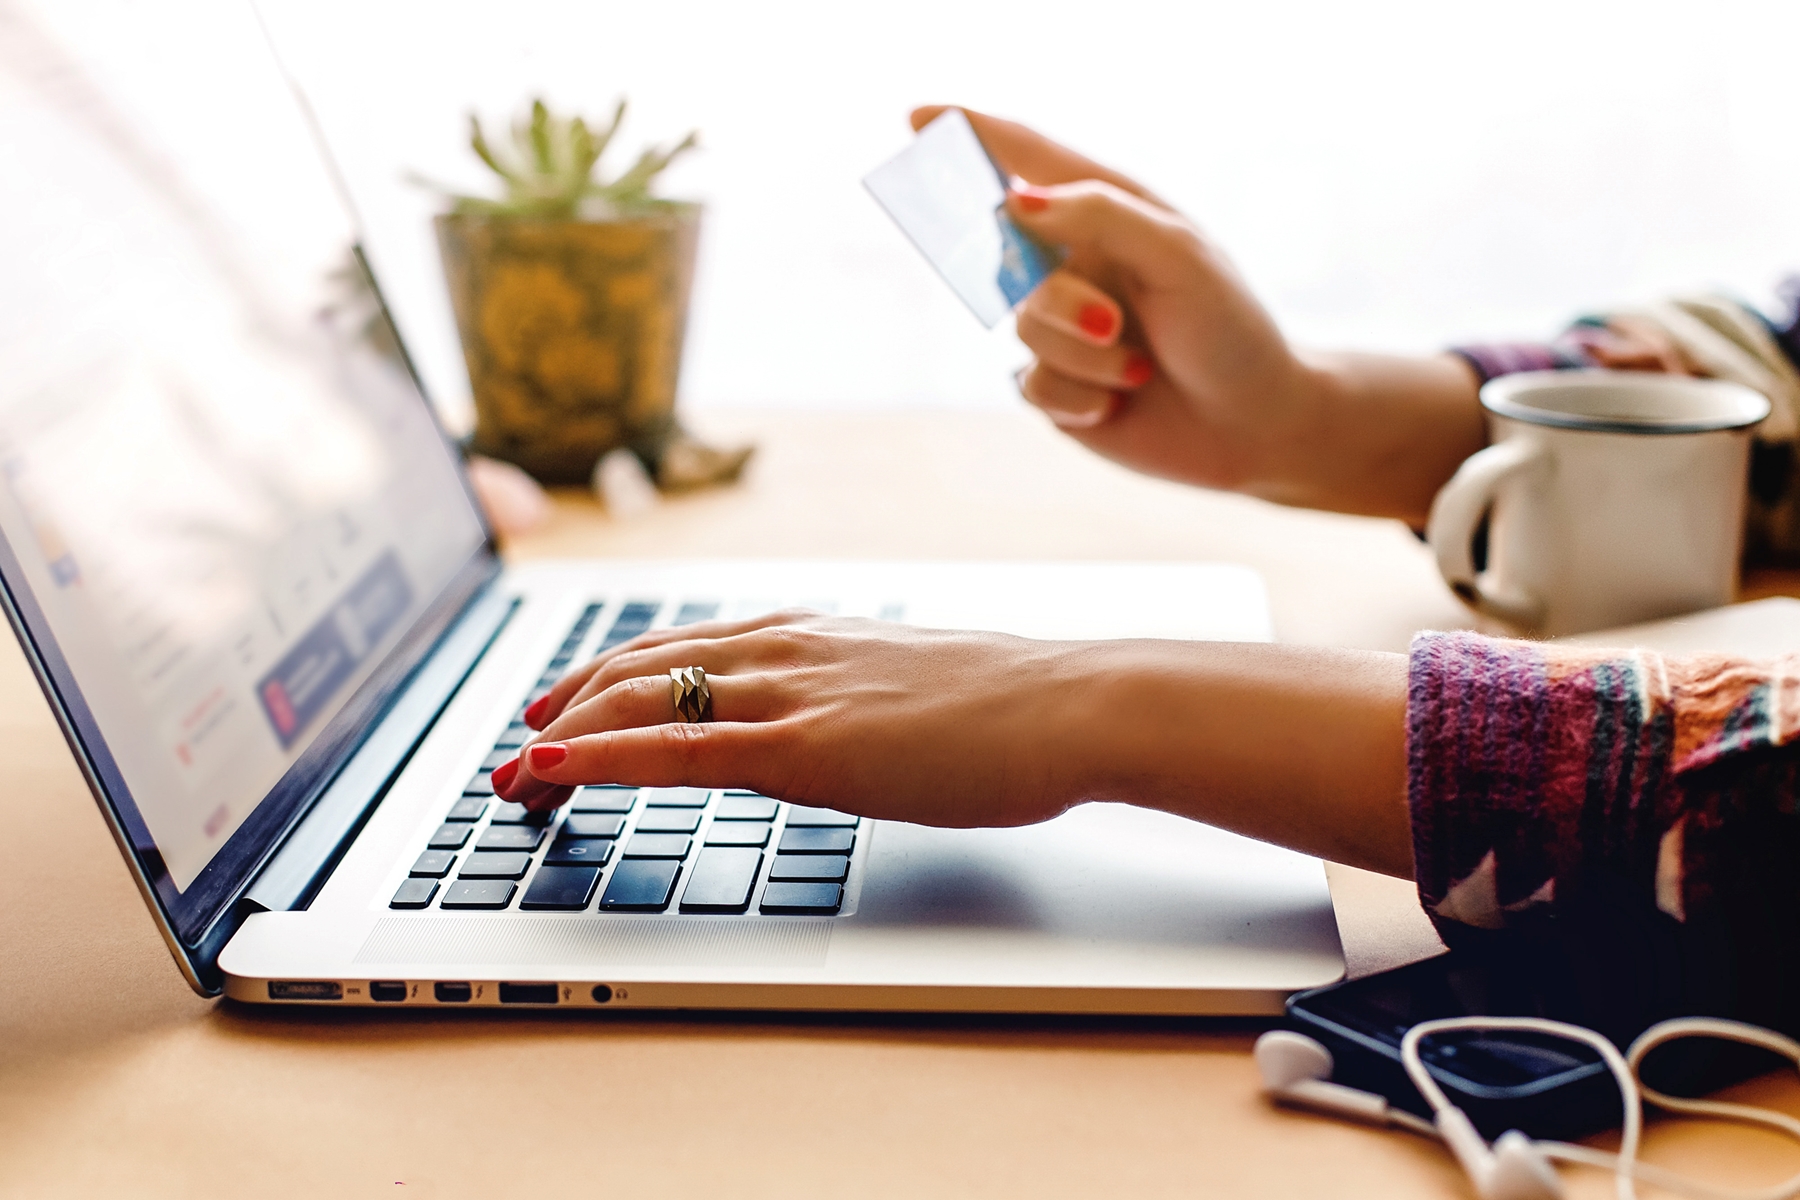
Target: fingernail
[1030, 199]
[534, 712]
[1138, 371]
[1096, 320]
[503, 775]
[547, 756]
[1074, 420]
[1019, 380]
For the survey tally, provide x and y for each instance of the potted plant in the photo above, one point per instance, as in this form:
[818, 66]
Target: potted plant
[571, 296]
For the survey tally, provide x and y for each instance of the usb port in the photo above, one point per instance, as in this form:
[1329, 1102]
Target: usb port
[304, 989]
[528, 993]
[387, 991]
[452, 993]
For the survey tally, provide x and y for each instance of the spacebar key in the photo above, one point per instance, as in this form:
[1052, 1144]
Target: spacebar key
[722, 880]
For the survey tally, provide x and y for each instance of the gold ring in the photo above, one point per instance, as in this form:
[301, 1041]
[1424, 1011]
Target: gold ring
[693, 699]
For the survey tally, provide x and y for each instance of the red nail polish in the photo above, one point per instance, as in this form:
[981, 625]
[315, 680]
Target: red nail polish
[1031, 201]
[1138, 371]
[503, 776]
[534, 714]
[547, 756]
[1096, 320]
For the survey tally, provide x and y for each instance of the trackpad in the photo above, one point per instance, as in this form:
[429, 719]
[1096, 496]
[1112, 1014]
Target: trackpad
[1152, 899]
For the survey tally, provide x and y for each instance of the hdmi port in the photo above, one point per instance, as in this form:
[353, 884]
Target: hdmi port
[528, 993]
[304, 989]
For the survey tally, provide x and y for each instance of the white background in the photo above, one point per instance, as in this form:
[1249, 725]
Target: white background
[1388, 175]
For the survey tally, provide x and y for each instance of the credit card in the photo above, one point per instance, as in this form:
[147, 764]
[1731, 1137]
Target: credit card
[949, 197]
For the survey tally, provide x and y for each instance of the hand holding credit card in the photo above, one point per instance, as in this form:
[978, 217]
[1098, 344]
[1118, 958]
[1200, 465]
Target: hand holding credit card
[949, 197]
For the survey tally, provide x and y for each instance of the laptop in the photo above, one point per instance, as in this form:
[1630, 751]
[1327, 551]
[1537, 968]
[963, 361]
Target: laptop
[245, 564]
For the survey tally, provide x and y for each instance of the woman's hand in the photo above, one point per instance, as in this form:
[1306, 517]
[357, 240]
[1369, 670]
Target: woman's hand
[1149, 347]
[1152, 351]
[919, 725]
[1295, 745]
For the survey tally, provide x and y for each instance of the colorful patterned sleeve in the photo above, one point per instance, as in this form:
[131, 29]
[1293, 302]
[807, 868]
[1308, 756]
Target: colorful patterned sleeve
[1493, 359]
[1643, 800]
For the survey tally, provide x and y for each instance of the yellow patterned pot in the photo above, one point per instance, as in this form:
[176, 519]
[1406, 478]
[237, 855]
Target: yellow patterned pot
[572, 331]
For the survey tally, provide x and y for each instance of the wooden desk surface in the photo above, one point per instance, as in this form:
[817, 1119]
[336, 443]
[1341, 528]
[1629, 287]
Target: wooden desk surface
[116, 1080]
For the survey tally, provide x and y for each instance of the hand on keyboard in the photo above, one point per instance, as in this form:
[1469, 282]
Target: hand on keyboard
[945, 728]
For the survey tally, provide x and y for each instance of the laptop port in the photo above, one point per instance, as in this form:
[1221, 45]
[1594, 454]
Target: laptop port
[452, 993]
[304, 989]
[387, 991]
[602, 993]
[528, 993]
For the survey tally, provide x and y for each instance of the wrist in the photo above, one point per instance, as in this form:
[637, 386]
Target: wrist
[1385, 432]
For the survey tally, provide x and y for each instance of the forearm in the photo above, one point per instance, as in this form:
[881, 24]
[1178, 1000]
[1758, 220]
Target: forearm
[1301, 746]
[1383, 434]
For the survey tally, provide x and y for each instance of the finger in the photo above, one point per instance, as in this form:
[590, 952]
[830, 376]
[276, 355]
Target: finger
[1021, 150]
[711, 755]
[629, 704]
[549, 706]
[1102, 366]
[720, 656]
[650, 700]
[1077, 307]
[1096, 219]
[1069, 403]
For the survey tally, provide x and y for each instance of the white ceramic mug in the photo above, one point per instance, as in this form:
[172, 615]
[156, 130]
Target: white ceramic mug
[1613, 497]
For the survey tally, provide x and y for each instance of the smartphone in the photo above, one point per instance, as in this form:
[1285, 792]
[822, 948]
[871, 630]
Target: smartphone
[1543, 1086]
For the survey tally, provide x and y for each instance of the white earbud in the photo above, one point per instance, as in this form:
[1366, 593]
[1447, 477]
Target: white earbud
[1512, 1169]
[1296, 1070]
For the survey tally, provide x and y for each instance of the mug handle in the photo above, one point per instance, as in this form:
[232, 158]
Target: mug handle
[1457, 512]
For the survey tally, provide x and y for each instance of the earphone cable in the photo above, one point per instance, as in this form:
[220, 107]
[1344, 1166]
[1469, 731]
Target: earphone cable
[1633, 1095]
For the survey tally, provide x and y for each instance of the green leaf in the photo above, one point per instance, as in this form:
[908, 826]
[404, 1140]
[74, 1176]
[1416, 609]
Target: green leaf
[479, 143]
[540, 137]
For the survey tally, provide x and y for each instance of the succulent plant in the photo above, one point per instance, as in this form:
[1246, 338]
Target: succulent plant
[549, 168]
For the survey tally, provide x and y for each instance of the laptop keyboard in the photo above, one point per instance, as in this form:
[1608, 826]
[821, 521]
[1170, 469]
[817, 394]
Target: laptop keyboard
[626, 849]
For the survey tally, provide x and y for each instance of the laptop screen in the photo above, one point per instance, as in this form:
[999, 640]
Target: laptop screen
[231, 524]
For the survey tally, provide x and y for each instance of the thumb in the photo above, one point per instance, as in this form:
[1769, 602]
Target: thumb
[1023, 151]
[1099, 221]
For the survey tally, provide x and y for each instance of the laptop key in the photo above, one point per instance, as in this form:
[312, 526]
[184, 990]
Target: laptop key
[810, 868]
[578, 852]
[566, 889]
[592, 825]
[745, 808]
[481, 785]
[738, 833]
[640, 885]
[721, 881]
[603, 799]
[816, 898]
[676, 797]
[511, 837]
[817, 841]
[469, 808]
[514, 736]
[658, 845]
[819, 818]
[479, 893]
[414, 893]
[449, 837]
[492, 865]
[433, 864]
[498, 758]
[669, 820]
[518, 814]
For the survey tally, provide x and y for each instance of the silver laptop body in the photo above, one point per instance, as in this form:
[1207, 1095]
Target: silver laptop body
[245, 565]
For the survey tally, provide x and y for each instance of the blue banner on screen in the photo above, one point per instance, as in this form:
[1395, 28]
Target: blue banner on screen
[309, 675]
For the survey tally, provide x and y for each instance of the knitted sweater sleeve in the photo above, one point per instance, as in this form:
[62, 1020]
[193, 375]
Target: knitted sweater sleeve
[1642, 800]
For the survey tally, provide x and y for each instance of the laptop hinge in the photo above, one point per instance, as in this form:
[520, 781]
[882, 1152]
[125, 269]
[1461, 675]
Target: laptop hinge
[314, 846]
